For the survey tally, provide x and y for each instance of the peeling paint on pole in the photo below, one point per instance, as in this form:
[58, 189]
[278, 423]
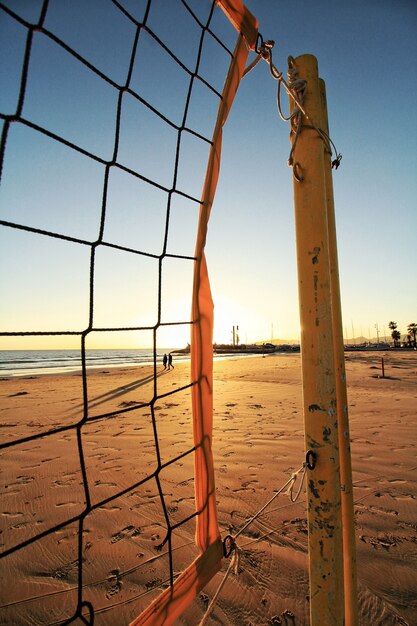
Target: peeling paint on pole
[348, 518]
[318, 367]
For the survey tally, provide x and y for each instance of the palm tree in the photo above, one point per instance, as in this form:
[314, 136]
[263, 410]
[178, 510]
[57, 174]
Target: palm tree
[396, 335]
[412, 329]
[393, 328]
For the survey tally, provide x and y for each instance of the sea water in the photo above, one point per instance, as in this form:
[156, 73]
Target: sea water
[33, 362]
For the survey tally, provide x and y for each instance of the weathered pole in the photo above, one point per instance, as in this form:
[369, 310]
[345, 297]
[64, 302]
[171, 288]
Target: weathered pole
[318, 369]
[348, 519]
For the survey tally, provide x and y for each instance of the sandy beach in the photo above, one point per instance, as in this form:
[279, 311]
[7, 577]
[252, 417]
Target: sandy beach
[258, 441]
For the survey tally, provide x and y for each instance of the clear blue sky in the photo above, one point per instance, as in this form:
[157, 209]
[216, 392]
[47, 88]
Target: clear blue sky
[367, 54]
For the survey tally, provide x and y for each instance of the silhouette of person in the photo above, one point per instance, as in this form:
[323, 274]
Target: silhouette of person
[165, 361]
[170, 361]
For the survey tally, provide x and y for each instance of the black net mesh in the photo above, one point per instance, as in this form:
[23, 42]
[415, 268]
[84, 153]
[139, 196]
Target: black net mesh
[107, 116]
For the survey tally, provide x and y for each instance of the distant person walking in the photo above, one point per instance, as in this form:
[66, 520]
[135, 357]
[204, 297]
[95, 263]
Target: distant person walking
[170, 361]
[165, 361]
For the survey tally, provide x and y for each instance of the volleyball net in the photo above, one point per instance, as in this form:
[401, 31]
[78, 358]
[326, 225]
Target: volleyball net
[109, 165]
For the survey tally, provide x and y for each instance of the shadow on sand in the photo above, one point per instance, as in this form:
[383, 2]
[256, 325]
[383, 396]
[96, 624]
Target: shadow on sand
[118, 392]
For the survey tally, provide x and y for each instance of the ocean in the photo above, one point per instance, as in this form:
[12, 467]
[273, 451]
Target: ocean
[32, 362]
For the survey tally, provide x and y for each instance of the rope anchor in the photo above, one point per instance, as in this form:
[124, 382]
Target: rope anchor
[295, 88]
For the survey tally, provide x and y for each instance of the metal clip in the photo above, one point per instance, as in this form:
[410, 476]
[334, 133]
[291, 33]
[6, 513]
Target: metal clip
[228, 546]
[259, 43]
[311, 458]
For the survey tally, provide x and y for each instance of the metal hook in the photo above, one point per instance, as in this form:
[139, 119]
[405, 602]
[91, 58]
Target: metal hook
[228, 546]
[311, 458]
[297, 172]
[259, 43]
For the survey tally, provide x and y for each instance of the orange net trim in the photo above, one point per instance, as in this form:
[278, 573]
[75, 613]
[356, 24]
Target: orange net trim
[174, 600]
[242, 19]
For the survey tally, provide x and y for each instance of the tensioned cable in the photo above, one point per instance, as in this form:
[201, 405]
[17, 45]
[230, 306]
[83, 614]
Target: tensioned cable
[123, 573]
[231, 548]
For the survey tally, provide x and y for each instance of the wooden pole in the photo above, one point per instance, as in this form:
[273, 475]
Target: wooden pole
[318, 371]
[348, 518]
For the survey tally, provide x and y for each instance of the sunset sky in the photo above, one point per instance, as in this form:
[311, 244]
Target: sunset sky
[367, 55]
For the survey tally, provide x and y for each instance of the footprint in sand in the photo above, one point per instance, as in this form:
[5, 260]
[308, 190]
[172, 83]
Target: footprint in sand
[62, 483]
[13, 492]
[126, 533]
[31, 466]
[386, 542]
[99, 483]
[244, 489]
[249, 482]
[155, 582]
[185, 483]
[203, 597]
[361, 508]
[20, 525]
[14, 514]
[22, 480]
[115, 584]
[63, 573]
[190, 498]
[109, 507]
[287, 618]
[129, 403]
[407, 525]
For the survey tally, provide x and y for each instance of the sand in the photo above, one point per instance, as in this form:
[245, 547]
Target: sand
[258, 442]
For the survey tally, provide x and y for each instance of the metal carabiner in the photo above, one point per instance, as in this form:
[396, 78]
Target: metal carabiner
[259, 43]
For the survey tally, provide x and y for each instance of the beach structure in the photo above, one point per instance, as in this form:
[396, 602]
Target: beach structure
[32, 126]
[331, 521]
